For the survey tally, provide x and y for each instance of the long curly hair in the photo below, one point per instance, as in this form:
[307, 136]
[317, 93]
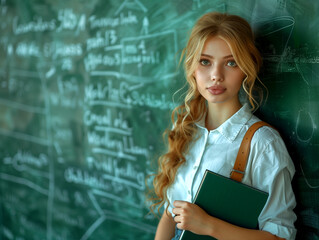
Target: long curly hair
[239, 36]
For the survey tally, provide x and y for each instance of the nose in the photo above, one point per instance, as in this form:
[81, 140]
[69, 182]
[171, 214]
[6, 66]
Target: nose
[217, 73]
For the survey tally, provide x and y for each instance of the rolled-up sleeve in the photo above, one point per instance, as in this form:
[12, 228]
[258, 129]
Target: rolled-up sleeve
[273, 173]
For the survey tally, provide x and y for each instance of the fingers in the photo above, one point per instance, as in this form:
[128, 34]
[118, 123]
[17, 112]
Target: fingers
[180, 207]
[178, 203]
[179, 222]
[182, 222]
[180, 211]
[177, 219]
[189, 216]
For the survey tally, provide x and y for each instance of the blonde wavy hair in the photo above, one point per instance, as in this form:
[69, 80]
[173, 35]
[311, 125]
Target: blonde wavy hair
[238, 34]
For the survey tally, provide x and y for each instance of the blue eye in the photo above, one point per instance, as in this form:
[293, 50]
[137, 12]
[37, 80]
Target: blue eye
[204, 62]
[231, 63]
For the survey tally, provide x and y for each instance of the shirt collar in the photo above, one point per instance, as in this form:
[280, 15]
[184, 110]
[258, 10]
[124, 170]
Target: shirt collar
[232, 126]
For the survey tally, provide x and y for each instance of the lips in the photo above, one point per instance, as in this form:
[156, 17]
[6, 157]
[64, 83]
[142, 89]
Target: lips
[216, 90]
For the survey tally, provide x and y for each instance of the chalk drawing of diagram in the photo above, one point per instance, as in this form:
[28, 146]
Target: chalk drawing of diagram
[306, 128]
[299, 86]
[25, 165]
[274, 35]
[107, 217]
[131, 5]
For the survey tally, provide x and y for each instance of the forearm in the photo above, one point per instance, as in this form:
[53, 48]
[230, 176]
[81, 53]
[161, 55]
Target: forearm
[193, 218]
[226, 231]
[166, 228]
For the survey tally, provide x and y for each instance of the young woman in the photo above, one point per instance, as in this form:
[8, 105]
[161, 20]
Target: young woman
[220, 59]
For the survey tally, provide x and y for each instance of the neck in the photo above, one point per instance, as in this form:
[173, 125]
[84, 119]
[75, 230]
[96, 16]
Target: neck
[219, 113]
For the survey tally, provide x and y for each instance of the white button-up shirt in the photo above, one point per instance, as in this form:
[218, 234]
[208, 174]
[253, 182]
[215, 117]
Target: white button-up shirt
[269, 168]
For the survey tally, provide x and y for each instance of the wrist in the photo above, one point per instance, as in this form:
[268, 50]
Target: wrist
[211, 228]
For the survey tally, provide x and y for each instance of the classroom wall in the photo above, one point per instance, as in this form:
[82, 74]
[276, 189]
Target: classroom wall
[86, 91]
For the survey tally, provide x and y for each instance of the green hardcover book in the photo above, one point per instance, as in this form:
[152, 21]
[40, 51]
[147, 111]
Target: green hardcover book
[228, 200]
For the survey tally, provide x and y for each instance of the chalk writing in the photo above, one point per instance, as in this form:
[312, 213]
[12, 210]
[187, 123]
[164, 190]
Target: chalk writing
[70, 21]
[22, 158]
[115, 123]
[152, 58]
[93, 60]
[90, 110]
[109, 38]
[83, 177]
[68, 220]
[28, 49]
[103, 22]
[125, 93]
[123, 19]
[125, 145]
[63, 50]
[111, 166]
[37, 25]
[85, 90]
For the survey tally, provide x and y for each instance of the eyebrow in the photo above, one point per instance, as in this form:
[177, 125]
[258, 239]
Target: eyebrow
[209, 56]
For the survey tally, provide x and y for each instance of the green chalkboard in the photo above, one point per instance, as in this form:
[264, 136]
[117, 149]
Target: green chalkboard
[86, 91]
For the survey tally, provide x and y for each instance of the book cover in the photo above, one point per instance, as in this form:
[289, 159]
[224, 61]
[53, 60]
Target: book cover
[228, 200]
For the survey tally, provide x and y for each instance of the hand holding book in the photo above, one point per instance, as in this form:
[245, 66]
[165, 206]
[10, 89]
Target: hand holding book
[191, 216]
[224, 199]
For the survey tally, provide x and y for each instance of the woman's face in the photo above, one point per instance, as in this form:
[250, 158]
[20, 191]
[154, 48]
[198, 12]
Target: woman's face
[217, 75]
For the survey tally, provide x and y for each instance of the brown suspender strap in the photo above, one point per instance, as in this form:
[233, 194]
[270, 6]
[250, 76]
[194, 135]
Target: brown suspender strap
[238, 171]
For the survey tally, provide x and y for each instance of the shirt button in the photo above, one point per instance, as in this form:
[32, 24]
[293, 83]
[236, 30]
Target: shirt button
[189, 192]
[195, 167]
